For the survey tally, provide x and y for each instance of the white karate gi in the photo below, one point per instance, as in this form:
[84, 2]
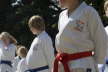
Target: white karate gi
[106, 29]
[82, 31]
[41, 52]
[15, 63]
[6, 54]
[100, 67]
[22, 66]
[106, 68]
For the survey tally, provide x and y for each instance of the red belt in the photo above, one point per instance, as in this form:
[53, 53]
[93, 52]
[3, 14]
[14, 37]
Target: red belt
[64, 58]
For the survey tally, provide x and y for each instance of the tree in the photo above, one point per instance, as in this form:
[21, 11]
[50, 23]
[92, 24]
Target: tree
[16, 14]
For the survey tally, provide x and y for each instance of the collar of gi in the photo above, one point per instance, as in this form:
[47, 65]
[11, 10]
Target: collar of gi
[40, 33]
[78, 9]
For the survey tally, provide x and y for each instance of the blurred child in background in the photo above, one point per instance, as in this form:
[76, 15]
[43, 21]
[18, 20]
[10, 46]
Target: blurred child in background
[106, 13]
[22, 66]
[104, 67]
[7, 51]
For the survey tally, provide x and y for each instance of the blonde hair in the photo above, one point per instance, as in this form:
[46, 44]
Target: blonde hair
[6, 35]
[22, 51]
[106, 5]
[37, 22]
[17, 48]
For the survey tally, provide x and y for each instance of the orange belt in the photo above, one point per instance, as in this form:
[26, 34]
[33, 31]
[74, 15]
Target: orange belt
[64, 58]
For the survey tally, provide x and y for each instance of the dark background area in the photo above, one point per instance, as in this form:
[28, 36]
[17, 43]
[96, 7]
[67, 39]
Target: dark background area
[14, 15]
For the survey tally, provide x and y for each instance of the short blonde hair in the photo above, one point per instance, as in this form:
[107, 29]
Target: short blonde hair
[22, 51]
[6, 35]
[106, 5]
[17, 48]
[37, 22]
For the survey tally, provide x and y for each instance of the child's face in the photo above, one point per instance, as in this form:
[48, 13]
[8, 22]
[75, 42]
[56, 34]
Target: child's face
[106, 12]
[6, 41]
[66, 3]
[34, 31]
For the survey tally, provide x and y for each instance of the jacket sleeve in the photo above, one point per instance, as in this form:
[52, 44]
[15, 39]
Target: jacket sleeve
[98, 35]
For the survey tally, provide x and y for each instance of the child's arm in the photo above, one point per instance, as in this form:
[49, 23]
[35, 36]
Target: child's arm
[98, 35]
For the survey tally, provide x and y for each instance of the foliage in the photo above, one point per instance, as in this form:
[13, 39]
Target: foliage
[15, 14]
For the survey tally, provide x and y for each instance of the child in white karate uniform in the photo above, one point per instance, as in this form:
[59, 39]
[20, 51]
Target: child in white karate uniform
[81, 34]
[105, 66]
[106, 13]
[22, 66]
[41, 53]
[7, 51]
